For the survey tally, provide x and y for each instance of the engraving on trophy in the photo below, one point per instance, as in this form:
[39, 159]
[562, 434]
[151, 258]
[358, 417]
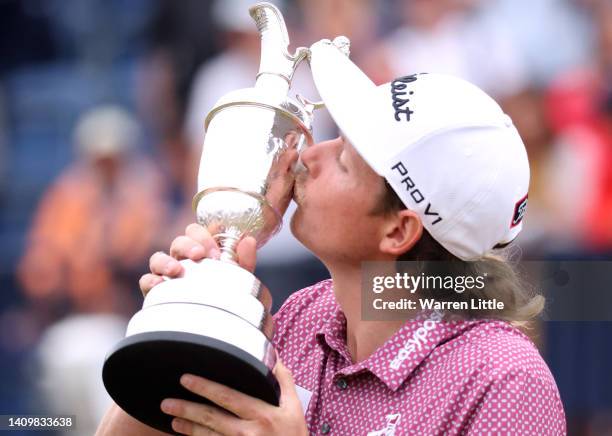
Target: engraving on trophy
[261, 20]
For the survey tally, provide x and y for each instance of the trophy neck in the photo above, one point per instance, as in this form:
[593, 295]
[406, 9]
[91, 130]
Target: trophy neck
[274, 86]
[228, 243]
[276, 62]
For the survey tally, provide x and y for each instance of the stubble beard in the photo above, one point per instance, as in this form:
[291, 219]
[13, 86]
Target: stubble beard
[298, 192]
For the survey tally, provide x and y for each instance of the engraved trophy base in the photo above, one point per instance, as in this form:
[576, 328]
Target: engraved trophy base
[139, 373]
[183, 328]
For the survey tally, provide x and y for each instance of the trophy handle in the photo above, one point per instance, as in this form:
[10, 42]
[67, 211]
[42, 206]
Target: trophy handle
[309, 105]
[344, 45]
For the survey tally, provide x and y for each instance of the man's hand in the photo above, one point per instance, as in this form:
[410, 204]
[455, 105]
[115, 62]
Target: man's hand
[251, 416]
[196, 245]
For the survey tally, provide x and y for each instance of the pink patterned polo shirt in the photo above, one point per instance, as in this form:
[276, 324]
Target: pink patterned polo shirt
[432, 377]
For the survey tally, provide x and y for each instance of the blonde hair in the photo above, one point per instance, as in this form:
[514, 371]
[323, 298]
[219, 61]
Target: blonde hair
[521, 301]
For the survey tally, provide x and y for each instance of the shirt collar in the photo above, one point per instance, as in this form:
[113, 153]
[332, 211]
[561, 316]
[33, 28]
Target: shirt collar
[333, 332]
[400, 355]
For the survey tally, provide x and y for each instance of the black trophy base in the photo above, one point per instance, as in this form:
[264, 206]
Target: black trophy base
[143, 369]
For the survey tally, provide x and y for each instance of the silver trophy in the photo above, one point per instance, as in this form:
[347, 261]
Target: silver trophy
[215, 320]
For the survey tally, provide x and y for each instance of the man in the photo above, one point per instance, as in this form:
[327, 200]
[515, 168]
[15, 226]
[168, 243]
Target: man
[429, 169]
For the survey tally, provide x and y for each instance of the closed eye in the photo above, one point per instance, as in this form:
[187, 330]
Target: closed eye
[340, 153]
[340, 164]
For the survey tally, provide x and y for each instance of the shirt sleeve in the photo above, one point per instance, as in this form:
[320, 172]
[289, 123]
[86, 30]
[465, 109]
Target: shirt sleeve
[292, 312]
[519, 403]
[284, 318]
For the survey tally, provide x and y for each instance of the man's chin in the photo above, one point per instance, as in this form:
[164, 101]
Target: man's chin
[294, 223]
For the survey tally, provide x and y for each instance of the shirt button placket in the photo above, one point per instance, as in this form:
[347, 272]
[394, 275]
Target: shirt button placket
[325, 428]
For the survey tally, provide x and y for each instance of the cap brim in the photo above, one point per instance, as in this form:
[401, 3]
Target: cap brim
[350, 97]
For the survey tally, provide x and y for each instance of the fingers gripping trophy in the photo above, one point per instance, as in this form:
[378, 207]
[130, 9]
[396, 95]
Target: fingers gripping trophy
[215, 320]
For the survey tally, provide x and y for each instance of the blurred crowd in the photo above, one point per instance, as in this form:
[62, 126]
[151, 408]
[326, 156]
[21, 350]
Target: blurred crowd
[102, 105]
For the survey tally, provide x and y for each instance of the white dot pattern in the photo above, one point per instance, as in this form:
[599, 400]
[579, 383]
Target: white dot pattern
[463, 377]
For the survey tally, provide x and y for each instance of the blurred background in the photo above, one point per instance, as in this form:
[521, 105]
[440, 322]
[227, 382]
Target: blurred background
[102, 105]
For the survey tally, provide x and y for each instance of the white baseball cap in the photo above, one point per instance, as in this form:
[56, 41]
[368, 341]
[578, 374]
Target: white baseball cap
[446, 147]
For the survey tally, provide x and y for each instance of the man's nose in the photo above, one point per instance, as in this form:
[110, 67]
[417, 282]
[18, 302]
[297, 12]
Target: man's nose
[312, 156]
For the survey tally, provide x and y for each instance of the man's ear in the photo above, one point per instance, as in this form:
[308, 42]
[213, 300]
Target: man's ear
[402, 230]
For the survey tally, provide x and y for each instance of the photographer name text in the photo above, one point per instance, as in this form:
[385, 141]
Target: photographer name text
[432, 304]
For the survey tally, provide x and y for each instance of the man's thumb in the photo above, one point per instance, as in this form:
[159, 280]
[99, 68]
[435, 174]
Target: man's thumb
[289, 395]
